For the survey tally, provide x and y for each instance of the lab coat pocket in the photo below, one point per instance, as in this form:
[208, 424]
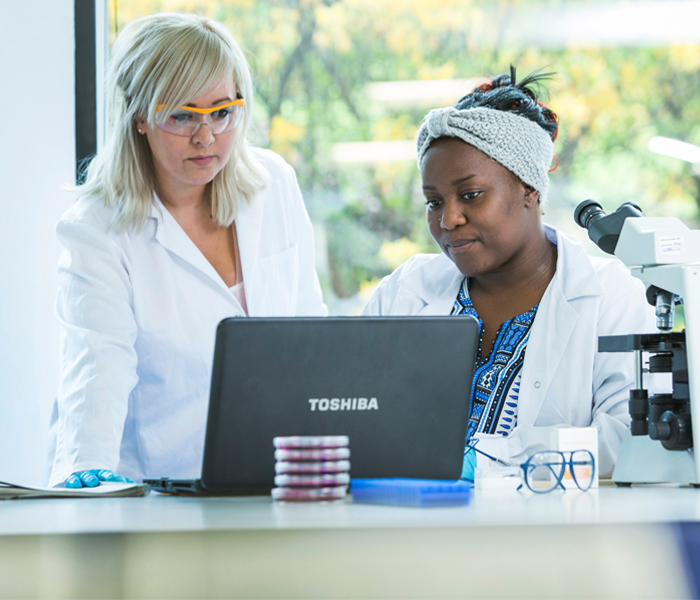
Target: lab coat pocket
[281, 273]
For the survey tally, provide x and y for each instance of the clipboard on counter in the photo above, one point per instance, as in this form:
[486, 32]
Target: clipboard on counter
[13, 491]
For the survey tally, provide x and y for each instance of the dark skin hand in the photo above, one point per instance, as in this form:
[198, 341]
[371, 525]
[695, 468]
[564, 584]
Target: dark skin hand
[488, 223]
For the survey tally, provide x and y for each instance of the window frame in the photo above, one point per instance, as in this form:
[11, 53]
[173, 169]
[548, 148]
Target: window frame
[91, 22]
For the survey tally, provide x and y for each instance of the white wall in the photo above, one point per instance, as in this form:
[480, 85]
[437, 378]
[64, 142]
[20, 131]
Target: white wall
[36, 158]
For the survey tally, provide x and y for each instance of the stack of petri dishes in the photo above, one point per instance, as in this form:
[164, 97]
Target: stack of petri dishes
[311, 468]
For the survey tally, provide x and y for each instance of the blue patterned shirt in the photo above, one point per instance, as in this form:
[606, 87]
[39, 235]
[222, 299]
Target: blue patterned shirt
[496, 384]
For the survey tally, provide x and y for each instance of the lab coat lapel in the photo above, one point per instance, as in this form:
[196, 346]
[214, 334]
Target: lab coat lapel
[248, 229]
[435, 283]
[554, 323]
[174, 239]
[544, 352]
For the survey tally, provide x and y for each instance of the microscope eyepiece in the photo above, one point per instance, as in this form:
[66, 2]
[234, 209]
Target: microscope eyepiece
[587, 213]
[604, 229]
[633, 209]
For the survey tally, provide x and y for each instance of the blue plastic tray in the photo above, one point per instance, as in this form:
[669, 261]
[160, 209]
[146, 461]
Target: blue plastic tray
[411, 492]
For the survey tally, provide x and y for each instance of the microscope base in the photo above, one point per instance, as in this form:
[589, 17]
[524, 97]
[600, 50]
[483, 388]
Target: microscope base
[643, 460]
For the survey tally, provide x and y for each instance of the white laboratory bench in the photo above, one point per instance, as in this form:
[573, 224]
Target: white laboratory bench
[610, 542]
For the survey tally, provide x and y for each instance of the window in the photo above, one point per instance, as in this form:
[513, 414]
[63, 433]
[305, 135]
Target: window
[342, 86]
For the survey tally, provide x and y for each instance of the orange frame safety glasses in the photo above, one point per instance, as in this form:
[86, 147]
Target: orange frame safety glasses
[219, 119]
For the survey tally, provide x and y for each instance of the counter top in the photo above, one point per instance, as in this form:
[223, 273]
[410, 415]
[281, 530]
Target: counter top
[605, 543]
[606, 505]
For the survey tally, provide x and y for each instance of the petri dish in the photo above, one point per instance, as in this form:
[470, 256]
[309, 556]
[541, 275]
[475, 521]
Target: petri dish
[311, 480]
[290, 494]
[326, 466]
[311, 441]
[313, 454]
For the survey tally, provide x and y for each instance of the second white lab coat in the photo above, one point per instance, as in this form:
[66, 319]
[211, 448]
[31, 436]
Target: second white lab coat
[139, 310]
[565, 380]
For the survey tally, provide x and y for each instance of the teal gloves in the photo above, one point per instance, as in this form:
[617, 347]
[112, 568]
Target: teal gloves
[93, 477]
[469, 465]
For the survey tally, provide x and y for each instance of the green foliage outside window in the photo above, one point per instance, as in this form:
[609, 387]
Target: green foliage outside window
[313, 62]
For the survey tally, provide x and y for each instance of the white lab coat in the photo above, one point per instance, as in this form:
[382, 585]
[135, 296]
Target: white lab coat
[139, 310]
[565, 380]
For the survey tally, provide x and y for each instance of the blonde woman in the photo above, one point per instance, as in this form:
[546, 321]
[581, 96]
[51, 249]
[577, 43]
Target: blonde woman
[180, 224]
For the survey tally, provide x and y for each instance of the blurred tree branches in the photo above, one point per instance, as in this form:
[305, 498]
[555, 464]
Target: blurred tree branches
[313, 59]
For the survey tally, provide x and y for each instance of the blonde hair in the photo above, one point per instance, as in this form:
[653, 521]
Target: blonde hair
[169, 59]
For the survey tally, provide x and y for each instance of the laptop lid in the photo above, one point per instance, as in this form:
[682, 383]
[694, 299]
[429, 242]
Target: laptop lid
[399, 387]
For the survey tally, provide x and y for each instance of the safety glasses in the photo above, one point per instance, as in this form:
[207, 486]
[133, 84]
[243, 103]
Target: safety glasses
[187, 120]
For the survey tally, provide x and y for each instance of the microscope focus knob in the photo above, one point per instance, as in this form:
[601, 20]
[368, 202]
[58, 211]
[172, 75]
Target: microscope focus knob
[673, 431]
[639, 411]
[659, 431]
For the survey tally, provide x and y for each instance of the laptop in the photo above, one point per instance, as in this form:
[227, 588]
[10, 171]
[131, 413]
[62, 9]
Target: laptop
[399, 387]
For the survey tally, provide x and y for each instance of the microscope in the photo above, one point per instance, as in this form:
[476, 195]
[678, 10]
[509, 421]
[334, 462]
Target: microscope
[662, 252]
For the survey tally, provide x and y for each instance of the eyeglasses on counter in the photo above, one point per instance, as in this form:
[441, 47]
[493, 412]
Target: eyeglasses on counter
[547, 470]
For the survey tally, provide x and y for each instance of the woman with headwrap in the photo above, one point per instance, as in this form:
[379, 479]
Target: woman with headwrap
[541, 301]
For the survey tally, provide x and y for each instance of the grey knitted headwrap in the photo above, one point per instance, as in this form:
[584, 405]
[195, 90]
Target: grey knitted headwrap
[516, 142]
